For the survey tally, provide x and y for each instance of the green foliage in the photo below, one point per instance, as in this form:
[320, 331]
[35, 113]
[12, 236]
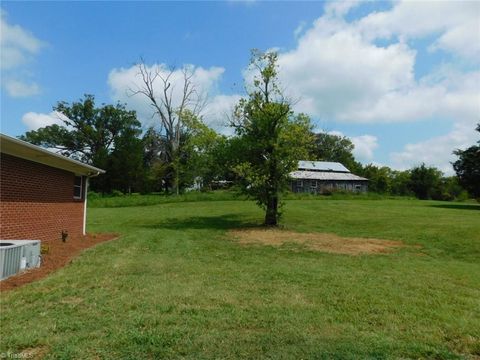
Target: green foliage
[329, 147]
[105, 137]
[270, 138]
[467, 168]
[379, 178]
[199, 152]
[399, 183]
[424, 181]
[115, 199]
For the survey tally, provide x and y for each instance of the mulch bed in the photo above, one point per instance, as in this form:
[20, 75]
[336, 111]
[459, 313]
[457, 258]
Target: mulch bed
[58, 255]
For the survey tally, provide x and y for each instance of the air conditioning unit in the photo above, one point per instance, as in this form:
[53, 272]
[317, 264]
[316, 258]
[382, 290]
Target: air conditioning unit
[18, 255]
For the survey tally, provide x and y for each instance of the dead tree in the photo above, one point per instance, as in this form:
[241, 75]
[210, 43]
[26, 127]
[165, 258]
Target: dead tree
[158, 85]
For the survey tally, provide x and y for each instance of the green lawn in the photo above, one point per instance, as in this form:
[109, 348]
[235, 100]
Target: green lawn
[175, 286]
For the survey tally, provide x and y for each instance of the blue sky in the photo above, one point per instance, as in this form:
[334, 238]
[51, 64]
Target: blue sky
[399, 78]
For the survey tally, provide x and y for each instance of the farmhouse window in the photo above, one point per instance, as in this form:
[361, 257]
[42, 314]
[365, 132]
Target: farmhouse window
[313, 184]
[300, 183]
[77, 188]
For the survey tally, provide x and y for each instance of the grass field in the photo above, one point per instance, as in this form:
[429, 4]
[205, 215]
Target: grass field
[176, 286]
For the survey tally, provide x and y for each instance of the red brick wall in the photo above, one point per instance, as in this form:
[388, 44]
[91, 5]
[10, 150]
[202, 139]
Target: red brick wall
[36, 201]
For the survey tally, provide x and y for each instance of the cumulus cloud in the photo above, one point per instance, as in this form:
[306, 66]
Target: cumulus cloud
[339, 71]
[437, 151]
[364, 145]
[455, 25]
[340, 8]
[459, 101]
[17, 48]
[123, 80]
[17, 88]
[218, 111]
[17, 44]
[334, 73]
[34, 121]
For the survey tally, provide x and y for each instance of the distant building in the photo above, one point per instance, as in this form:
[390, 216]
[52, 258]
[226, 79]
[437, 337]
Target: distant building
[319, 177]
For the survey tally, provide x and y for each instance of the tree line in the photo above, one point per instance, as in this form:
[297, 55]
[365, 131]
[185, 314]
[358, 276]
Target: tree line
[181, 152]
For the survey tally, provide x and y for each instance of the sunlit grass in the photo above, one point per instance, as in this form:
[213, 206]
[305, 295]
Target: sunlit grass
[175, 286]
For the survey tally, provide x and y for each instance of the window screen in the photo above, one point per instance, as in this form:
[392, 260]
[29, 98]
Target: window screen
[77, 188]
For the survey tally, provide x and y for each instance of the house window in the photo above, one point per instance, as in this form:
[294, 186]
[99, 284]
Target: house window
[300, 183]
[77, 188]
[313, 184]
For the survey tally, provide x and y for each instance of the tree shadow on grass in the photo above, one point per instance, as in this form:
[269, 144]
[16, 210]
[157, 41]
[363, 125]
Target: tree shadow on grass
[458, 206]
[219, 222]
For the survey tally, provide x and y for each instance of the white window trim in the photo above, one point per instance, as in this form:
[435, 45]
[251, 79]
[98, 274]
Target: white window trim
[76, 186]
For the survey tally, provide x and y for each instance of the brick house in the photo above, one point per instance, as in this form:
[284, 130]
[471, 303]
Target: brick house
[320, 177]
[42, 194]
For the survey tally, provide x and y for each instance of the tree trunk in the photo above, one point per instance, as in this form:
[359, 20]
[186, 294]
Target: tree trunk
[177, 181]
[271, 215]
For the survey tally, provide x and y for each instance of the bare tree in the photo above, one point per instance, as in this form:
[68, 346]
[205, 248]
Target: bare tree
[158, 85]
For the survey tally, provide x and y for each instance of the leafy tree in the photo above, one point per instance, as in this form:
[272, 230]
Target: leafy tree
[379, 178]
[424, 181]
[467, 168]
[91, 134]
[158, 170]
[449, 189]
[270, 139]
[399, 183]
[126, 162]
[330, 147]
[199, 151]
[196, 157]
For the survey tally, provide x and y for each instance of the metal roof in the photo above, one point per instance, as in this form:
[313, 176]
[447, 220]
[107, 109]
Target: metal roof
[27, 151]
[322, 166]
[325, 175]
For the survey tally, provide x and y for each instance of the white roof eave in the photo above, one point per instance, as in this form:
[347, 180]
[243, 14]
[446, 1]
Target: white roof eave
[27, 151]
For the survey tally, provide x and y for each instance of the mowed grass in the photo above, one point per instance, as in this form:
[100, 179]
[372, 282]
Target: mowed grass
[176, 286]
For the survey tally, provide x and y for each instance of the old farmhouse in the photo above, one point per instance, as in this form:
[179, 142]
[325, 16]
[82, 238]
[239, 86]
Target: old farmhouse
[321, 177]
[42, 194]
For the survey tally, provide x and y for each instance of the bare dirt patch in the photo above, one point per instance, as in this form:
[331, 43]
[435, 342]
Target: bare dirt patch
[58, 254]
[33, 353]
[324, 242]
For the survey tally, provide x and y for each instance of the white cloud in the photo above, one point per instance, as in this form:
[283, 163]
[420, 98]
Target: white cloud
[437, 151]
[335, 73]
[17, 88]
[460, 101]
[16, 43]
[17, 48]
[218, 111]
[122, 80]
[340, 8]
[455, 23]
[339, 72]
[364, 145]
[34, 120]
